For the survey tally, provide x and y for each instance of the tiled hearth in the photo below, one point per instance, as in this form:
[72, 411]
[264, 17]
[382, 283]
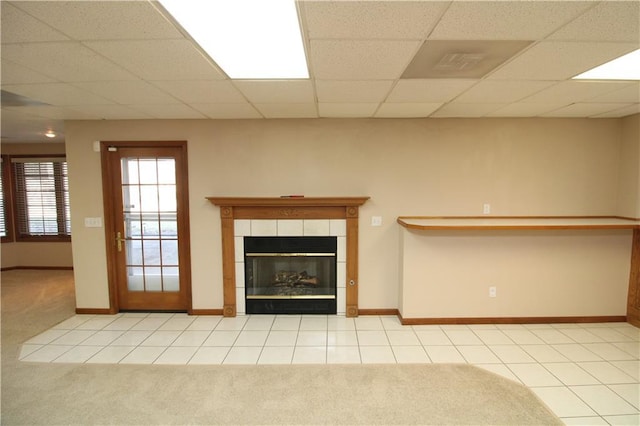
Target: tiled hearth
[290, 228]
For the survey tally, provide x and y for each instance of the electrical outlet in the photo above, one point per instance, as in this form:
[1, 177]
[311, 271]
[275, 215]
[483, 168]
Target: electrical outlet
[376, 220]
[93, 222]
[492, 291]
[486, 208]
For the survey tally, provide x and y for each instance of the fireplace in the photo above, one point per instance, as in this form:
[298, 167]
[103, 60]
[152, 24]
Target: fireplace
[290, 275]
[289, 216]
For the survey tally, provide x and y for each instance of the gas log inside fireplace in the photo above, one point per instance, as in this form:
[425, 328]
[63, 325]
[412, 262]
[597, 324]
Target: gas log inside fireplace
[290, 275]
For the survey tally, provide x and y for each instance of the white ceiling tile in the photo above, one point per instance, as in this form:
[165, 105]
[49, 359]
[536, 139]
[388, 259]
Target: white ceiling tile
[103, 20]
[622, 112]
[57, 94]
[224, 111]
[456, 109]
[584, 110]
[626, 94]
[20, 127]
[13, 73]
[371, 20]
[159, 59]
[202, 91]
[360, 59]
[113, 112]
[54, 112]
[428, 90]
[520, 109]
[556, 60]
[288, 110]
[607, 21]
[574, 91]
[391, 110]
[127, 92]
[65, 61]
[20, 27]
[168, 111]
[504, 91]
[345, 110]
[505, 20]
[276, 91]
[352, 91]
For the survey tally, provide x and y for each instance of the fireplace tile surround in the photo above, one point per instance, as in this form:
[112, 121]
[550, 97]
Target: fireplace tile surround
[291, 228]
[289, 216]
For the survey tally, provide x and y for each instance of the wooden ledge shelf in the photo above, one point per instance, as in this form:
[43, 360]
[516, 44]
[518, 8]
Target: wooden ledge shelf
[288, 201]
[426, 223]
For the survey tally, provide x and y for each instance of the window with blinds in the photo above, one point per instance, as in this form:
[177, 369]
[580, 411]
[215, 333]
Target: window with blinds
[41, 197]
[4, 231]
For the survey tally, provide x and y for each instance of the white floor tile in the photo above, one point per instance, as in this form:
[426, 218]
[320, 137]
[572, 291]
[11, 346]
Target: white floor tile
[342, 338]
[150, 323]
[603, 400]
[102, 338]
[581, 335]
[131, 338]
[433, 337]
[340, 323]
[176, 355]
[478, 355]
[403, 338]
[78, 354]
[609, 334]
[501, 370]
[314, 323]
[563, 402]
[628, 420]
[552, 336]
[630, 392]
[544, 353]
[143, 355]
[576, 353]
[571, 374]
[368, 323]
[392, 323]
[311, 338]
[47, 353]
[212, 355]
[221, 338]
[377, 355]
[232, 323]
[444, 354]
[343, 355]
[631, 368]
[534, 375]
[372, 338]
[511, 354]
[191, 338]
[252, 338]
[463, 337]
[493, 337]
[207, 323]
[161, 338]
[122, 323]
[523, 336]
[410, 355]
[259, 322]
[97, 323]
[177, 324]
[26, 350]
[73, 337]
[276, 355]
[110, 355]
[606, 372]
[608, 352]
[286, 323]
[310, 355]
[71, 323]
[243, 355]
[281, 338]
[632, 348]
[46, 337]
[584, 421]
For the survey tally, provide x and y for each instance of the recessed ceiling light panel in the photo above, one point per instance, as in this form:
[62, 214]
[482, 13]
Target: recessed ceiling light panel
[626, 67]
[248, 39]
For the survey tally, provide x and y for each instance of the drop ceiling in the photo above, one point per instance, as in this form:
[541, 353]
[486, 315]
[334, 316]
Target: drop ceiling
[113, 60]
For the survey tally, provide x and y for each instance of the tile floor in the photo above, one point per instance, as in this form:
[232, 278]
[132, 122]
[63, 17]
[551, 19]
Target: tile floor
[588, 374]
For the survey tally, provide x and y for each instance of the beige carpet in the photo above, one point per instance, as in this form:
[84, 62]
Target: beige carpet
[33, 301]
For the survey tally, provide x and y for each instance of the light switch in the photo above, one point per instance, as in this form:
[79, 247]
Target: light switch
[93, 222]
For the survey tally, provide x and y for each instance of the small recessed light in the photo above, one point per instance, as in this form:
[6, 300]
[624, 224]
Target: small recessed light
[50, 134]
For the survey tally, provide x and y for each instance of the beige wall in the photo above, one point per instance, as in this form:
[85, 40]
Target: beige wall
[35, 254]
[406, 166]
[447, 274]
[629, 196]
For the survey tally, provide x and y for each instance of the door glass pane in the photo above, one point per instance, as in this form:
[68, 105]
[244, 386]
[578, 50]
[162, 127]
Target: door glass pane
[150, 221]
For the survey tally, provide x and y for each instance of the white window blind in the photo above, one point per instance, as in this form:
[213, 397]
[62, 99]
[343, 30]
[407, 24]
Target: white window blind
[42, 197]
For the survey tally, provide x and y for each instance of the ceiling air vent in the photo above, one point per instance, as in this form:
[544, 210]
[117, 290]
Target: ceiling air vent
[461, 58]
